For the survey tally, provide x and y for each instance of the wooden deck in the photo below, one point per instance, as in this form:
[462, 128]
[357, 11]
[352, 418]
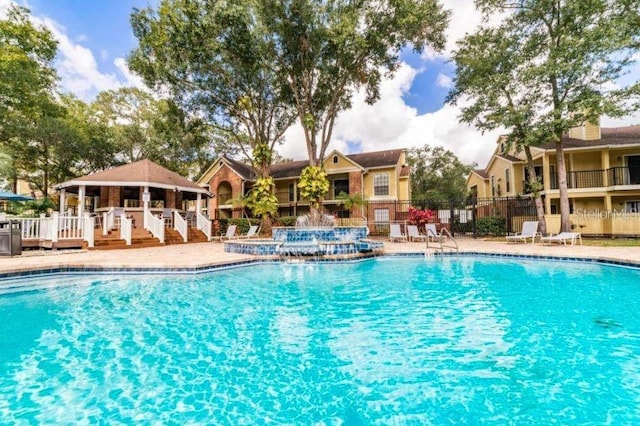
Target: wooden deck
[140, 238]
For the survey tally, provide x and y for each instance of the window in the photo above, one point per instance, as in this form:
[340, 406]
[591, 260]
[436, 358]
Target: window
[474, 190]
[292, 192]
[340, 185]
[493, 186]
[507, 180]
[335, 159]
[633, 207]
[381, 184]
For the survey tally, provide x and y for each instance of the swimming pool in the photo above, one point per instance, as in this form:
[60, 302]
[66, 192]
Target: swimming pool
[381, 341]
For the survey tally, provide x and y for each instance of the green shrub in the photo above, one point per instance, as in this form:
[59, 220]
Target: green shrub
[242, 225]
[493, 225]
[285, 221]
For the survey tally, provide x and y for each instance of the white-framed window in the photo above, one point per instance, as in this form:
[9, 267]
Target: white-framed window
[381, 184]
[493, 186]
[335, 159]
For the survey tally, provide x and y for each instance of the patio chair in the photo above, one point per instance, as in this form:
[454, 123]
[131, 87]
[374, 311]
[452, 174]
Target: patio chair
[529, 230]
[563, 237]
[432, 232]
[414, 234]
[229, 235]
[252, 232]
[167, 216]
[395, 233]
[190, 217]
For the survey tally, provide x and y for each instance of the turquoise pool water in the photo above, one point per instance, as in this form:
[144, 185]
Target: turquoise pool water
[386, 341]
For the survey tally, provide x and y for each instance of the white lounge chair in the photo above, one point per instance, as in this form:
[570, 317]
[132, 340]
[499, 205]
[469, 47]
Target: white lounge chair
[395, 233]
[563, 237]
[432, 232]
[229, 235]
[529, 231]
[414, 234]
[252, 232]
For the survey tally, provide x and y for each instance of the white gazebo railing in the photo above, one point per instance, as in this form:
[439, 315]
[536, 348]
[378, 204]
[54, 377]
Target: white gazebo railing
[88, 226]
[126, 227]
[203, 224]
[58, 228]
[70, 227]
[30, 227]
[108, 220]
[180, 225]
[154, 225]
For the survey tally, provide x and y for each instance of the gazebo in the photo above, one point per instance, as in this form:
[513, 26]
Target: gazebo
[136, 188]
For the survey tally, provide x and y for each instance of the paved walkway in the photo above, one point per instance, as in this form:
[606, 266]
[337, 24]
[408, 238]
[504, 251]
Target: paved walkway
[208, 254]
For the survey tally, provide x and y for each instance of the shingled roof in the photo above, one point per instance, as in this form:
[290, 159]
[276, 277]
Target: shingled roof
[629, 135]
[482, 173]
[376, 159]
[141, 173]
[294, 168]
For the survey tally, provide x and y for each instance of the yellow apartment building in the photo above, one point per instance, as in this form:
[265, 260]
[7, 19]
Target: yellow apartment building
[603, 177]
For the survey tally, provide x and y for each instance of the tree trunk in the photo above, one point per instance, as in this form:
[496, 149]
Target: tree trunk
[533, 180]
[565, 223]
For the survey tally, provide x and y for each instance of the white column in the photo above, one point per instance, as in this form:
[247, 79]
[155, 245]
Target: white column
[146, 197]
[81, 192]
[63, 201]
[198, 204]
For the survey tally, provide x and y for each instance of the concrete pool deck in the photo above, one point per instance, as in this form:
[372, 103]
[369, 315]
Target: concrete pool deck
[212, 254]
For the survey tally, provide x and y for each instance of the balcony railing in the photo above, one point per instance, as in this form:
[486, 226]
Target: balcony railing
[616, 176]
[624, 176]
[581, 179]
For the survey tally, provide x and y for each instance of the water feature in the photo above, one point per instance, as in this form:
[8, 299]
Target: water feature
[305, 240]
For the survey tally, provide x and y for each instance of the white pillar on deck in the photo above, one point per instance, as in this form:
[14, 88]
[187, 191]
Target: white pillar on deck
[198, 204]
[63, 193]
[81, 192]
[146, 197]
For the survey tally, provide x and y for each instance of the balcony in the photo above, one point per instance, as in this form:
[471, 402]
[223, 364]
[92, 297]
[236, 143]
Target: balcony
[616, 176]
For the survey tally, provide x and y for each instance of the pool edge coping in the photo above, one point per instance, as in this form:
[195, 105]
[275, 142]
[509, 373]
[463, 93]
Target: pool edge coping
[205, 268]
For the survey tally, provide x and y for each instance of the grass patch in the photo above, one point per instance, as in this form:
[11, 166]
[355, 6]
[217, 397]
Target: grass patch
[611, 242]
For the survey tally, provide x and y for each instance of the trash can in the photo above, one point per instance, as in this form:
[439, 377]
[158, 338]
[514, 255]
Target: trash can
[10, 238]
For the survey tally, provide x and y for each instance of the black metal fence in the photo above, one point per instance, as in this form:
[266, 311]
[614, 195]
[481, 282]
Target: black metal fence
[471, 217]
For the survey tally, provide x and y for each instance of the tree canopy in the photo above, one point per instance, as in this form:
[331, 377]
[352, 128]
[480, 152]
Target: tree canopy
[216, 59]
[437, 174]
[549, 66]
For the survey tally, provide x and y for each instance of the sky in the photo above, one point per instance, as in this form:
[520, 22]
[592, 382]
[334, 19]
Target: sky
[95, 38]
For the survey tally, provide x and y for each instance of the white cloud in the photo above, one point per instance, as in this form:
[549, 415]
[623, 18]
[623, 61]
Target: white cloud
[130, 78]
[444, 81]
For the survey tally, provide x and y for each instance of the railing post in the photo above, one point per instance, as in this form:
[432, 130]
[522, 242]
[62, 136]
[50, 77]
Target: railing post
[474, 212]
[55, 224]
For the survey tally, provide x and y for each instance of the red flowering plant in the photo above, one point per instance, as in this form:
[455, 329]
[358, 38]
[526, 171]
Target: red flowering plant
[421, 217]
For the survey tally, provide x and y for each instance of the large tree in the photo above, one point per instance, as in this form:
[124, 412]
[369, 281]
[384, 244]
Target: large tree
[27, 81]
[137, 125]
[216, 59]
[437, 174]
[570, 56]
[328, 50]
[488, 64]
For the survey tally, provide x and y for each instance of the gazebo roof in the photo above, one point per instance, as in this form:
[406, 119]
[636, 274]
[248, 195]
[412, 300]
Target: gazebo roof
[141, 173]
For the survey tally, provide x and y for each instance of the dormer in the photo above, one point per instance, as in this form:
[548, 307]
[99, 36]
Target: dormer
[586, 132]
